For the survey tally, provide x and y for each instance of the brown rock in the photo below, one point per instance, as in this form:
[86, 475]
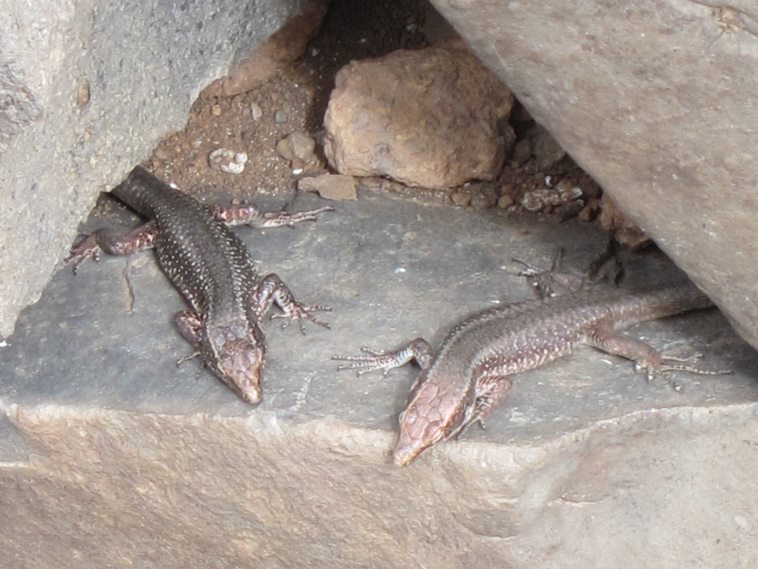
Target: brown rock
[591, 210]
[624, 231]
[483, 195]
[662, 116]
[547, 151]
[330, 186]
[427, 118]
[296, 145]
[522, 151]
[461, 197]
[505, 201]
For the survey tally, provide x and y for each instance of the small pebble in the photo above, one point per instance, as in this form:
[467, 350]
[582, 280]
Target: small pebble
[548, 198]
[330, 186]
[461, 197]
[590, 211]
[216, 110]
[280, 117]
[483, 195]
[522, 151]
[83, 93]
[256, 111]
[505, 202]
[162, 154]
[296, 145]
[545, 148]
[227, 161]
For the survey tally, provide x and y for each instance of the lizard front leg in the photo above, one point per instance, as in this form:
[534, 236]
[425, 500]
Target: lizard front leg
[248, 214]
[547, 283]
[112, 242]
[489, 392]
[272, 289]
[189, 324]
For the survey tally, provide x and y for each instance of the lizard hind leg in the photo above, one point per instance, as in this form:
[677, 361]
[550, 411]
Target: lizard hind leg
[646, 358]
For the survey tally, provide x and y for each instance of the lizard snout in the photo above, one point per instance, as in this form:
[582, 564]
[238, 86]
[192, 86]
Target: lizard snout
[240, 365]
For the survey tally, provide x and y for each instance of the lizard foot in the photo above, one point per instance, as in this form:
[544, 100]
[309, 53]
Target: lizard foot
[373, 360]
[187, 358]
[86, 248]
[376, 360]
[547, 283]
[297, 311]
[248, 214]
[279, 218]
[664, 363]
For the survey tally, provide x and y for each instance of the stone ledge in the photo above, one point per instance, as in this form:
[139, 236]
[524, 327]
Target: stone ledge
[130, 460]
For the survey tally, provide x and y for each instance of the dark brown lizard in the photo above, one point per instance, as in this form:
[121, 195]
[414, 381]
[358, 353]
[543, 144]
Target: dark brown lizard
[212, 269]
[471, 372]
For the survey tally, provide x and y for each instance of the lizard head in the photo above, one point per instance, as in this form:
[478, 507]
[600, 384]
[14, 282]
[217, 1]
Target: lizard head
[433, 414]
[235, 353]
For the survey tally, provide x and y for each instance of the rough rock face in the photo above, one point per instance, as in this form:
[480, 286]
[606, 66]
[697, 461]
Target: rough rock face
[284, 46]
[86, 90]
[431, 118]
[656, 100]
[111, 456]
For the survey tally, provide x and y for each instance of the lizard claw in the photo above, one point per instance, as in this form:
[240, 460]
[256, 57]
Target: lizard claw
[366, 364]
[549, 282]
[376, 360]
[373, 352]
[301, 312]
[85, 248]
[187, 358]
[280, 218]
[665, 363]
[683, 359]
[373, 360]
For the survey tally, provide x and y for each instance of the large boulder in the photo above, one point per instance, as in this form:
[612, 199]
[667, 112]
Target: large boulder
[656, 100]
[432, 118]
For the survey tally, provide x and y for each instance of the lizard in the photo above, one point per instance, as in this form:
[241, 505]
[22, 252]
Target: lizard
[211, 268]
[470, 374]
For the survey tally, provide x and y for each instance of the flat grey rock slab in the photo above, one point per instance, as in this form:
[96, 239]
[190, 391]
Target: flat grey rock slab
[585, 462]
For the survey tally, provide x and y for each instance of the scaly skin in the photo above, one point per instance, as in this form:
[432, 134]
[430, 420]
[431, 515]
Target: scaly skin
[212, 269]
[470, 374]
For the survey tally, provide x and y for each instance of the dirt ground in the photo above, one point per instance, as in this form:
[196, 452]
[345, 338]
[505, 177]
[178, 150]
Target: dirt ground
[295, 99]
